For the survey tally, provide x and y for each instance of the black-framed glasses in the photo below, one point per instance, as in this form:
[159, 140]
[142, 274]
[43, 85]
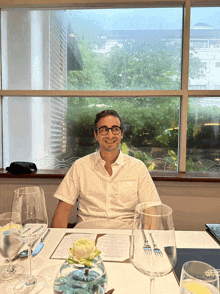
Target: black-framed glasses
[104, 130]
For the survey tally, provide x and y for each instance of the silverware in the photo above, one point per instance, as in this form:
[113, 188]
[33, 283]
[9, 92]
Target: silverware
[40, 245]
[37, 229]
[211, 273]
[26, 230]
[156, 250]
[146, 247]
[21, 254]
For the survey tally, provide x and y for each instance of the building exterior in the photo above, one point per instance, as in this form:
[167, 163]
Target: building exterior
[204, 45]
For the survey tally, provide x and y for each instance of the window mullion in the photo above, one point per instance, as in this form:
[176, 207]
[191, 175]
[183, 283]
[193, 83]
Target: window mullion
[1, 134]
[183, 133]
[186, 44]
[1, 124]
[184, 98]
[92, 93]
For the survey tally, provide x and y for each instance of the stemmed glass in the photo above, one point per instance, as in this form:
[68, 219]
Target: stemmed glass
[29, 203]
[9, 247]
[153, 243]
[199, 277]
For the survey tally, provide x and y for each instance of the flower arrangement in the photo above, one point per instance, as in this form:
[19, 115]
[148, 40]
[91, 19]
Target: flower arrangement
[83, 252]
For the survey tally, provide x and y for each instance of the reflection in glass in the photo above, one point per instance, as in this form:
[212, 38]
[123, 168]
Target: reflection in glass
[60, 130]
[111, 49]
[204, 60]
[203, 134]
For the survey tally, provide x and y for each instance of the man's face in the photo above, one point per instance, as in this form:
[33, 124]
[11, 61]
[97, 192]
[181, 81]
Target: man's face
[109, 142]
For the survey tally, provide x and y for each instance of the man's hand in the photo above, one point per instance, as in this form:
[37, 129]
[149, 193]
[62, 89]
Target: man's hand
[61, 215]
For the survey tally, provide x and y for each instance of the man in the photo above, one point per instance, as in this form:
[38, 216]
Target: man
[108, 184]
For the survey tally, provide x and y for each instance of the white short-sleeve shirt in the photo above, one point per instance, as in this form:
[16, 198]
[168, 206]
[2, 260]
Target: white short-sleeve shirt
[103, 196]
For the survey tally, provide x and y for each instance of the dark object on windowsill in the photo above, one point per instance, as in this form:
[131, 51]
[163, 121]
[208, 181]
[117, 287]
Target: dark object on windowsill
[21, 167]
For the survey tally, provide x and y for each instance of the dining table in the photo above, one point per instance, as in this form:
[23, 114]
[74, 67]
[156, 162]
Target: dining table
[123, 277]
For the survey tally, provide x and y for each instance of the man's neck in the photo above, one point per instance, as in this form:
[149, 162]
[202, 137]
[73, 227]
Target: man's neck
[109, 157]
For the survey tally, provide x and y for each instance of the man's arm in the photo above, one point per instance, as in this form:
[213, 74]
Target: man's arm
[61, 215]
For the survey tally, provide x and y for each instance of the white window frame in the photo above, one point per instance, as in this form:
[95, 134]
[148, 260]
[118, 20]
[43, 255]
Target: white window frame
[184, 93]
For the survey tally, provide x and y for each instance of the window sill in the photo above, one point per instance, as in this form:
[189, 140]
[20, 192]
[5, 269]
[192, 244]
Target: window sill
[156, 175]
[42, 174]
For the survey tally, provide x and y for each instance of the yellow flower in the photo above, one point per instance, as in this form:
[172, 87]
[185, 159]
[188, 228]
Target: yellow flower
[6, 227]
[83, 252]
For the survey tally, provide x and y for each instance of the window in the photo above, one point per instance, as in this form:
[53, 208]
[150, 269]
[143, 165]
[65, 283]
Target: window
[50, 50]
[57, 74]
[35, 129]
[203, 35]
[197, 87]
[203, 134]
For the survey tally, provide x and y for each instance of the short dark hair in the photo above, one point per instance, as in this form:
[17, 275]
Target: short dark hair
[106, 113]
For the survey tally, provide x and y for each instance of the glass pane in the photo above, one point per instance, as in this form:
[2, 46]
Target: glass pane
[204, 67]
[54, 132]
[151, 128]
[34, 129]
[111, 49]
[203, 134]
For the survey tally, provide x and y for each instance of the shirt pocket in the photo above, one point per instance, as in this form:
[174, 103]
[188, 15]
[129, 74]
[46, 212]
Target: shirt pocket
[127, 194]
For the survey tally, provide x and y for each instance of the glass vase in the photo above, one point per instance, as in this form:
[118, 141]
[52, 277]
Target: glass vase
[80, 279]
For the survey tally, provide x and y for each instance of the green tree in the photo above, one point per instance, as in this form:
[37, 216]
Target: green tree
[149, 122]
[87, 32]
[143, 65]
[91, 77]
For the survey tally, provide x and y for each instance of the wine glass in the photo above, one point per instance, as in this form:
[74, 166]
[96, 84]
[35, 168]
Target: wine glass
[9, 247]
[29, 203]
[199, 277]
[153, 243]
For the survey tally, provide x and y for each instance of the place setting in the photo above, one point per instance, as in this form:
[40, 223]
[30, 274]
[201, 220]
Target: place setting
[153, 252]
[78, 263]
[27, 226]
[24, 225]
[152, 237]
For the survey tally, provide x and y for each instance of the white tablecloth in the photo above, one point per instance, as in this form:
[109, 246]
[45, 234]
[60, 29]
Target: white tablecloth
[123, 277]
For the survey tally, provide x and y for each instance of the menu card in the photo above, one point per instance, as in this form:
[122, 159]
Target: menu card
[113, 247]
[62, 250]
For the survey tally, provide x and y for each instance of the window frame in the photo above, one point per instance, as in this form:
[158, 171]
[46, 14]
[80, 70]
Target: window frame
[184, 93]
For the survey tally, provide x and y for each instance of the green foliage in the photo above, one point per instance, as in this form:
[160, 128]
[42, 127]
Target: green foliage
[199, 134]
[91, 77]
[145, 120]
[149, 122]
[143, 65]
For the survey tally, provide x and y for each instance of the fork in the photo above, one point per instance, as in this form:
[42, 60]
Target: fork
[146, 247]
[156, 250]
[210, 273]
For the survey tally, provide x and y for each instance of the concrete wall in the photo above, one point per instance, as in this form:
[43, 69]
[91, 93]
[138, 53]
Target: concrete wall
[193, 204]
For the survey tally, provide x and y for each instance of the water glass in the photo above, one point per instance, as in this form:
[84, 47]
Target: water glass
[199, 277]
[9, 247]
[153, 243]
[29, 203]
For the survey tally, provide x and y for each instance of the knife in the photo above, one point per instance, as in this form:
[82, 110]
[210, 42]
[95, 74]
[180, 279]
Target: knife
[40, 245]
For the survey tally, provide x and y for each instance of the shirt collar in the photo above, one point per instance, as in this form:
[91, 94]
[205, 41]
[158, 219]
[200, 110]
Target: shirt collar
[120, 160]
